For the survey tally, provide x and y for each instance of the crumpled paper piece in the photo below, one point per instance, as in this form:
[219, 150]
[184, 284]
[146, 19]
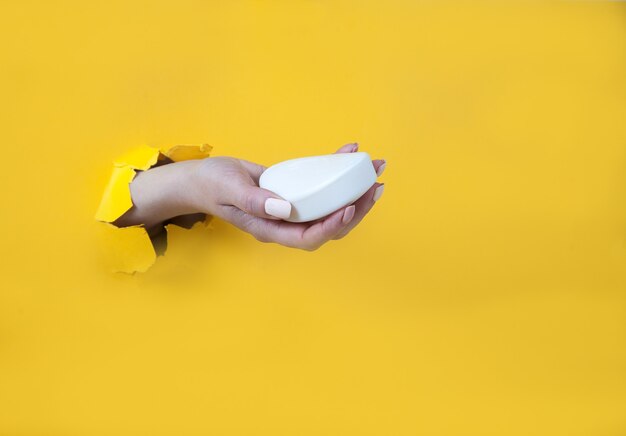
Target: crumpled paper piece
[126, 249]
[129, 249]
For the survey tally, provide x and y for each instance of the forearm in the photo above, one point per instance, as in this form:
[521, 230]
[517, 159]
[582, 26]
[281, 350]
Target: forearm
[159, 194]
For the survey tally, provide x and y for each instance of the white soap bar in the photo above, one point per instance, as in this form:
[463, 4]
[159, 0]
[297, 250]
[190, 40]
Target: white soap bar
[319, 185]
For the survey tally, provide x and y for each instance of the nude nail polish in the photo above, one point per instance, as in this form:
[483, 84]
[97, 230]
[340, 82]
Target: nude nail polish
[381, 168]
[278, 208]
[379, 192]
[348, 214]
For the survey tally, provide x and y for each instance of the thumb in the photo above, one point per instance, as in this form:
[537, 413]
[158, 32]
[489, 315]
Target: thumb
[262, 203]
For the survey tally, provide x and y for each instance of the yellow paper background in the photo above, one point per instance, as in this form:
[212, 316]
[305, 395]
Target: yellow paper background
[484, 295]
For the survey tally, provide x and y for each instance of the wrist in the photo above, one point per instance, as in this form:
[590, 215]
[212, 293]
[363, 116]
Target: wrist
[161, 193]
[201, 191]
[178, 187]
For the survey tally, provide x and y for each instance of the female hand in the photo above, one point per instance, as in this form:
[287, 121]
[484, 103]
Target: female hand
[228, 188]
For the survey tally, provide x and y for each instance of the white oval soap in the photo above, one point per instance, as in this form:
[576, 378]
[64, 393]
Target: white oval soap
[319, 185]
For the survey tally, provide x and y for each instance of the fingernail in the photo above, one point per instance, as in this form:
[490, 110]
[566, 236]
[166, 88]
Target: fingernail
[379, 192]
[278, 208]
[348, 214]
[381, 168]
[355, 147]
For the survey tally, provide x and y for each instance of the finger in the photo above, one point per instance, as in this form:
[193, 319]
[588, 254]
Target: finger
[255, 170]
[379, 166]
[366, 202]
[265, 230]
[261, 203]
[323, 231]
[298, 235]
[241, 191]
[348, 148]
[363, 206]
[240, 219]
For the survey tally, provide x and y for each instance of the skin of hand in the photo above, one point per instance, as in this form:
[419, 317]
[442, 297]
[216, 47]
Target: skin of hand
[227, 188]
